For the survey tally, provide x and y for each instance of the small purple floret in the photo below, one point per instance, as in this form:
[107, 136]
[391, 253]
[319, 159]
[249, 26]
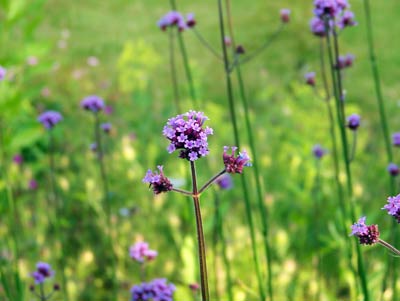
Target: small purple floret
[49, 119]
[141, 252]
[367, 234]
[235, 164]
[318, 151]
[93, 103]
[225, 182]
[396, 139]
[353, 122]
[158, 182]
[42, 272]
[393, 169]
[285, 15]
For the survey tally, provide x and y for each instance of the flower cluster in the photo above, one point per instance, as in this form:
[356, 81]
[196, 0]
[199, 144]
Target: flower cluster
[174, 18]
[285, 15]
[158, 182]
[331, 13]
[318, 151]
[3, 73]
[353, 122]
[235, 164]
[310, 78]
[42, 272]
[393, 207]
[367, 234]
[393, 169]
[141, 252]
[156, 290]
[225, 182]
[49, 119]
[396, 139]
[187, 134]
[93, 103]
[345, 61]
[106, 127]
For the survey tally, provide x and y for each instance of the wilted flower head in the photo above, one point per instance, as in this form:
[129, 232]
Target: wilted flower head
[187, 134]
[353, 121]
[141, 252]
[285, 15]
[49, 119]
[367, 234]
[190, 20]
[92, 103]
[106, 127]
[3, 73]
[172, 18]
[393, 207]
[156, 290]
[240, 49]
[225, 182]
[158, 182]
[310, 78]
[396, 139]
[393, 169]
[235, 164]
[42, 272]
[318, 151]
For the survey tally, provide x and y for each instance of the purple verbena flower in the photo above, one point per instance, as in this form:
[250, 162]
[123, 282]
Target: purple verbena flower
[353, 122]
[393, 169]
[285, 15]
[396, 139]
[318, 151]
[227, 41]
[190, 20]
[235, 164]
[155, 290]
[346, 20]
[317, 27]
[194, 287]
[49, 119]
[170, 19]
[326, 8]
[158, 182]
[141, 252]
[349, 60]
[367, 234]
[225, 182]
[42, 272]
[106, 127]
[18, 159]
[93, 103]
[3, 73]
[310, 78]
[187, 134]
[393, 207]
[32, 184]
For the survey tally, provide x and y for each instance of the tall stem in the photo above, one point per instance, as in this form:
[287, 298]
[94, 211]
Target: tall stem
[257, 176]
[172, 65]
[58, 209]
[200, 237]
[392, 263]
[106, 200]
[237, 142]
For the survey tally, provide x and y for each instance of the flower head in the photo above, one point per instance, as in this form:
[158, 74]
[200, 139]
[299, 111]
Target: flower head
[285, 15]
[393, 169]
[157, 290]
[190, 20]
[346, 20]
[106, 127]
[353, 122]
[42, 272]
[32, 184]
[318, 151]
[158, 181]
[235, 164]
[225, 182]
[170, 19]
[317, 27]
[92, 103]
[18, 159]
[141, 252]
[3, 73]
[187, 134]
[49, 119]
[326, 8]
[310, 78]
[393, 207]
[367, 234]
[396, 139]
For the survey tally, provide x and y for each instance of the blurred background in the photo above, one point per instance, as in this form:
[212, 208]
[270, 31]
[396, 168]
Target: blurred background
[57, 52]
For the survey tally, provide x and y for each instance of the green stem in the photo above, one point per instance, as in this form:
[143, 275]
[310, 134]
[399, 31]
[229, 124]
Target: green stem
[211, 181]
[237, 142]
[172, 65]
[353, 146]
[206, 44]
[200, 237]
[389, 246]
[106, 201]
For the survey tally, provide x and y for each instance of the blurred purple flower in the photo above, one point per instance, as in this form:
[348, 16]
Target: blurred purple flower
[367, 234]
[310, 78]
[42, 272]
[32, 60]
[393, 207]
[158, 182]
[396, 139]
[93, 61]
[108, 110]
[235, 164]
[318, 151]
[285, 15]
[49, 119]
[393, 169]
[186, 133]
[93, 147]
[172, 18]
[106, 127]
[225, 182]
[32, 185]
[346, 20]
[326, 8]
[18, 159]
[353, 121]
[140, 252]
[317, 27]
[155, 290]
[227, 41]
[3, 73]
[194, 287]
[190, 20]
[93, 103]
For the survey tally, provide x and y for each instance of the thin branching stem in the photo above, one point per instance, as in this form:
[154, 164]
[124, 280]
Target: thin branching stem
[206, 44]
[212, 180]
